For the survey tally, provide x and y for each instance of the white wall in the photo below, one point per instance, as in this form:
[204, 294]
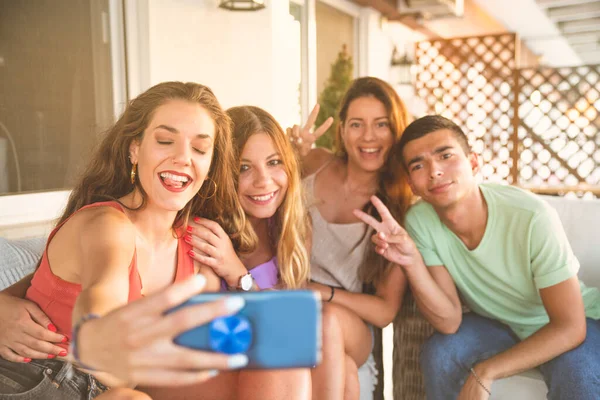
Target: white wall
[378, 39]
[245, 57]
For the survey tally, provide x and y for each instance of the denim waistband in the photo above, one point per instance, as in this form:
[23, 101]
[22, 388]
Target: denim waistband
[62, 372]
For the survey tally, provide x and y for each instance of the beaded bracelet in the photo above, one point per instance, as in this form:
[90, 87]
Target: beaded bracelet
[74, 350]
[480, 383]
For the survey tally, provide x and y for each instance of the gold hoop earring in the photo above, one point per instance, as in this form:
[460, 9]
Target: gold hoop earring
[214, 189]
[133, 172]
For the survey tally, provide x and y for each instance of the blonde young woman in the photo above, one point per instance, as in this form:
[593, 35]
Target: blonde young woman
[371, 119]
[120, 239]
[270, 192]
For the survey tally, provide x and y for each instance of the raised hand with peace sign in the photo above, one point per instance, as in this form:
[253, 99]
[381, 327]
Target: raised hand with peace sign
[302, 138]
[391, 240]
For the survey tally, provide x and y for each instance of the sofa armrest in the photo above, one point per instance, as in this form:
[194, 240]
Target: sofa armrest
[18, 258]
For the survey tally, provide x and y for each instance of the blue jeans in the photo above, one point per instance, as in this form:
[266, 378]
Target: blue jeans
[46, 380]
[446, 360]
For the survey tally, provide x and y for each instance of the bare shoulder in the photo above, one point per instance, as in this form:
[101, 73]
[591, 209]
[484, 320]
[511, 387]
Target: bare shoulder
[103, 228]
[94, 237]
[315, 160]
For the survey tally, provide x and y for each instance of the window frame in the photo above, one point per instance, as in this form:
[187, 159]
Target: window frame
[309, 95]
[34, 209]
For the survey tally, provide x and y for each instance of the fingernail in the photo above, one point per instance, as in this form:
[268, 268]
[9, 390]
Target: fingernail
[187, 238]
[213, 372]
[27, 360]
[191, 253]
[234, 303]
[189, 229]
[237, 361]
[197, 220]
[50, 356]
[51, 327]
[64, 339]
[200, 281]
[63, 353]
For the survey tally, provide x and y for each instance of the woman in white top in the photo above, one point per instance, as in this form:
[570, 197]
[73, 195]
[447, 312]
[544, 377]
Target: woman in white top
[371, 119]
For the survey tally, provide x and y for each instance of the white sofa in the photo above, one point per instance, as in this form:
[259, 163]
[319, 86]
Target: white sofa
[581, 221]
[580, 218]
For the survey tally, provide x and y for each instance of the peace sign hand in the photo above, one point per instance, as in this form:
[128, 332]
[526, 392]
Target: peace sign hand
[391, 240]
[302, 138]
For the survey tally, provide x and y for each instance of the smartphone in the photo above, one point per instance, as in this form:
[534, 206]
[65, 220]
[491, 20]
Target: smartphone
[275, 329]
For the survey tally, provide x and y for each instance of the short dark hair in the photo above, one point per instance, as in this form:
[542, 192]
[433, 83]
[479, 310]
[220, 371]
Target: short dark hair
[426, 125]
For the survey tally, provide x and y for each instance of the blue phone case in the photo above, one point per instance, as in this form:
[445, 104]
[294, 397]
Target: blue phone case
[275, 329]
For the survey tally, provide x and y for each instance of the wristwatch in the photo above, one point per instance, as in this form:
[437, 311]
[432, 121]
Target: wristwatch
[246, 282]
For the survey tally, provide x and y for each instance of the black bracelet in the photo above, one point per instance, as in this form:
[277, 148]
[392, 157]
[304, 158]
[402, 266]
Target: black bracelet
[74, 350]
[332, 293]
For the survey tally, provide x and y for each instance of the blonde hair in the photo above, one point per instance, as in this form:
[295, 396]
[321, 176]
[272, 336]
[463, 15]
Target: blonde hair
[392, 187]
[107, 176]
[290, 223]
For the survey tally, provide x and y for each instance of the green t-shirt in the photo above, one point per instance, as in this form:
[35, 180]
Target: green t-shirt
[524, 249]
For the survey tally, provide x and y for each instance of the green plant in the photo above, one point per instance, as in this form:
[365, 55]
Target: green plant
[330, 98]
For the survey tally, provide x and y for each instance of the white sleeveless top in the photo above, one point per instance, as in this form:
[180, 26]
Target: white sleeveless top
[338, 250]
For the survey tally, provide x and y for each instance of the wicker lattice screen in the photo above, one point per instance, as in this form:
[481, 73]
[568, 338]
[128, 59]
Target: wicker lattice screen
[559, 128]
[554, 119]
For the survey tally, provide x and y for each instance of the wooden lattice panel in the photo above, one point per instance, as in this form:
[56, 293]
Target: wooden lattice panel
[471, 81]
[559, 127]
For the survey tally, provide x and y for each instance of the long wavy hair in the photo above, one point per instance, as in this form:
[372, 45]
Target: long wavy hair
[107, 176]
[392, 186]
[289, 227]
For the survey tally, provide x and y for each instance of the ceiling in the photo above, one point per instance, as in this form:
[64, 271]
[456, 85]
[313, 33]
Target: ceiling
[579, 22]
[559, 32]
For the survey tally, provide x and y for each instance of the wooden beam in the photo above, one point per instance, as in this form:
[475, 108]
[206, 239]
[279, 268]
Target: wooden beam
[560, 3]
[582, 25]
[390, 11]
[574, 12]
[580, 38]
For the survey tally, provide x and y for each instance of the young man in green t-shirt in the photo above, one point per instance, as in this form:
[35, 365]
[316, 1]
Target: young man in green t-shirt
[505, 251]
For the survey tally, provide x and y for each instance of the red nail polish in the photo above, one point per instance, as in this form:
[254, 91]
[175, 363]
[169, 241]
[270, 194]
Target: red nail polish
[191, 253]
[189, 229]
[27, 360]
[64, 339]
[188, 238]
[51, 327]
[197, 220]
[50, 356]
[63, 353]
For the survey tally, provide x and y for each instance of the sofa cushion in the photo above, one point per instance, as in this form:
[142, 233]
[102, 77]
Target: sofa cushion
[581, 221]
[18, 258]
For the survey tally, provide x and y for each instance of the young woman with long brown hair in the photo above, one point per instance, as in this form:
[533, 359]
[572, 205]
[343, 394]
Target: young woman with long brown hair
[372, 118]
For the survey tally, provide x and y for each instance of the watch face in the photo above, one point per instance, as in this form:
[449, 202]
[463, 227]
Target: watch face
[246, 282]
